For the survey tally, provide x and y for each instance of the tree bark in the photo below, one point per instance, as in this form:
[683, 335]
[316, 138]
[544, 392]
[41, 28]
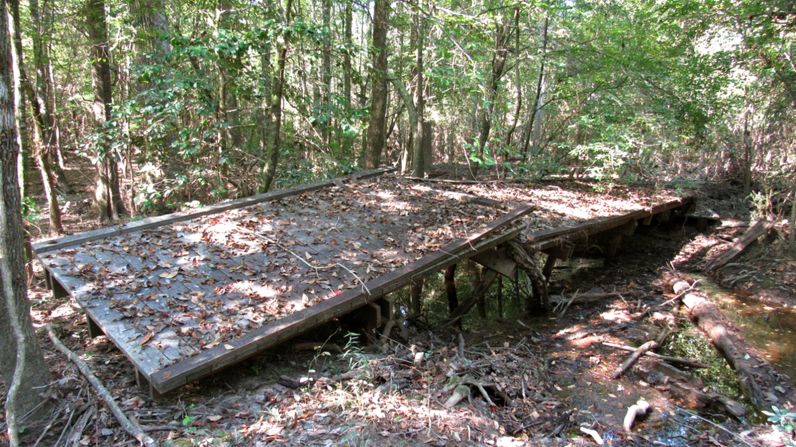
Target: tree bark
[21, 362]
[378, 109]
[107, 198]
[274, 140]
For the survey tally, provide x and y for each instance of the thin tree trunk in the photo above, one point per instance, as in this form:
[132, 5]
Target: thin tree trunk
[107, 197]
[378, 109]
[539, 82]
[502, 37]
[347, 70]
[39, 134]
[326, 70]
[45, 95]
[269, 170]
[418, 164]
[517, 80]
[21, 362]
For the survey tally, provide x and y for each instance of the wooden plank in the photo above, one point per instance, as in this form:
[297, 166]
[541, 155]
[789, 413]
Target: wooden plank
[547, 239]
[498, 260]
[146, 359]
[278, 331]
[157, 221]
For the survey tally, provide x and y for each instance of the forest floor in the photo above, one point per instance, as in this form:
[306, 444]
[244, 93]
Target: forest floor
[541, 380]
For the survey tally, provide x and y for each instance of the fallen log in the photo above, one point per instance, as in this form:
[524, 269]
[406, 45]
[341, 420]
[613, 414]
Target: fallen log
[688, 389]
[740, 244]
[129, 425]
[759, 381]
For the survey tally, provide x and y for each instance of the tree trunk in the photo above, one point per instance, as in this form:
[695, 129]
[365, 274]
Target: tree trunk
[517, 80]
[107, 198]
[418, 164]
[274, 139]
[539, 83]
[326, 71]
[228, 90]
[347, 71]
[40, 125]
[378, 109]
[502, 36]
[45, 94]
[21, 362]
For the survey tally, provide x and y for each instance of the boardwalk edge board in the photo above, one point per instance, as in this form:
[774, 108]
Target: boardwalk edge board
[157, 221]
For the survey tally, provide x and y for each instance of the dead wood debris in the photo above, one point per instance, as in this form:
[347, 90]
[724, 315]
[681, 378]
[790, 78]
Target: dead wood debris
[740, 244]
[758, 379]
[634, 412]
[131, 426]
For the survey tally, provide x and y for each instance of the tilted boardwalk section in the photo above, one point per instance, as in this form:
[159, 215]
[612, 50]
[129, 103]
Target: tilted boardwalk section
[187, 294]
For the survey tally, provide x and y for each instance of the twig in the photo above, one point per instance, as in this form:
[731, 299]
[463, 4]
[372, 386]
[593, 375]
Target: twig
[627, 364]
[130, 426]
[485, 394]
[667, 358]
[53, 418]
[679, 295]
[355, 276]
[719, 426]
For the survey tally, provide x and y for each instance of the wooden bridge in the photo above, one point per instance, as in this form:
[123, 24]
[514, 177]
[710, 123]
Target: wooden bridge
[188, 294]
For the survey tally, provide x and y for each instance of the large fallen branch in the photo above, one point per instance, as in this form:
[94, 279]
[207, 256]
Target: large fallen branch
[130, 426]
[688, 389]
[739, 245]
[759, 381]
[666, 358]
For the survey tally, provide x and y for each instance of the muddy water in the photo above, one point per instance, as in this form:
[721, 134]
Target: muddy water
[771, 329]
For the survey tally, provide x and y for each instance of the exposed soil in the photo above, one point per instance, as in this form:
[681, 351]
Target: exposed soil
[543, 377]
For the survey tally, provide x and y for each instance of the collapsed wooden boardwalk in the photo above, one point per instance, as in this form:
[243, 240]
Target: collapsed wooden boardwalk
[188, 294]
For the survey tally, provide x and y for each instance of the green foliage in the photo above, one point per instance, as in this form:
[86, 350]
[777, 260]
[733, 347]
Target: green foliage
[783, 420]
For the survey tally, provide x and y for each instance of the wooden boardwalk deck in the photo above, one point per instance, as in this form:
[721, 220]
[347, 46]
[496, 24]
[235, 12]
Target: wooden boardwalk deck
[188, 294]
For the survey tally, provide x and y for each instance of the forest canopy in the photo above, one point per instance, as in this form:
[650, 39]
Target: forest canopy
[175, 102]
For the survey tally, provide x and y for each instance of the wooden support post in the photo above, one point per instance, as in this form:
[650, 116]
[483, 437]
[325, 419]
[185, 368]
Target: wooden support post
[549, 265]
[57, 289]
[93, 328]
[386, 309]
[612, 245]
[367, 318]
[450, 289]
[416, 296]
[146, 385]
[500, 297]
